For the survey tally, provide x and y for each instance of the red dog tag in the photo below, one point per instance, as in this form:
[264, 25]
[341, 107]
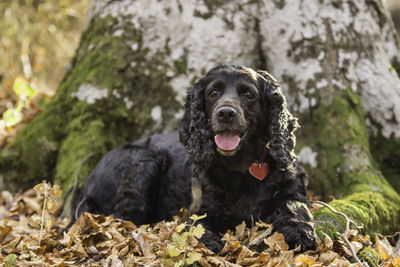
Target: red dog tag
[259, 170]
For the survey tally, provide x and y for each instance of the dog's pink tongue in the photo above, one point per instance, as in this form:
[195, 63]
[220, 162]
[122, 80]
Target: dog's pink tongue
[227, 142]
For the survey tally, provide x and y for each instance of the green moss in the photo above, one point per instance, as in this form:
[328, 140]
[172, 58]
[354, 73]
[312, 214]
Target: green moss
[364, 181]
[386, 151]
[329, 223]
[375, 212]
[346, 169]
[56, 142]
[79, 143]
[180, 66]
[370, 256]
[338, 133]
[110, 122]
[28, 159]
[345, 163]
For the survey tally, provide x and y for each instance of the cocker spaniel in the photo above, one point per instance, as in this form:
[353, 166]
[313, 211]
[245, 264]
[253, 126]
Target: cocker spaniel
[236, 144]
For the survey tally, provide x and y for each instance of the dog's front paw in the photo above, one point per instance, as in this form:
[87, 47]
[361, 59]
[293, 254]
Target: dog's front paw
[212, 241]
[298, 234]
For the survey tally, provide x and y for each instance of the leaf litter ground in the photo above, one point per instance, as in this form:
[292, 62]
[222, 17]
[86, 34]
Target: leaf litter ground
[31, 234]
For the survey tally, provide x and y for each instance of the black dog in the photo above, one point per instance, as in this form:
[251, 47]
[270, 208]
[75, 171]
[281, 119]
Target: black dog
[239, 144]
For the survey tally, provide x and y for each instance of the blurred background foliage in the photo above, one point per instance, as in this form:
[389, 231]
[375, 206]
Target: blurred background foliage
[37, 41]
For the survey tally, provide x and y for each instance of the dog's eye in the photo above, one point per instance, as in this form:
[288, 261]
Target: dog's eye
[213, 93]
[249, 95]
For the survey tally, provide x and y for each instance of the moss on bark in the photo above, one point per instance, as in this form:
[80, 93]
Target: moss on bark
[345, 164]
[386, 151]
[346, 169]
[29, 157]
[374, 211]
[55, 142]
[370, 256]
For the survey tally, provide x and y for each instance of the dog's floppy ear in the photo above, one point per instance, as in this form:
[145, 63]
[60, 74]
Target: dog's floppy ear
[184, 125]
[194, 130]
[281, 124]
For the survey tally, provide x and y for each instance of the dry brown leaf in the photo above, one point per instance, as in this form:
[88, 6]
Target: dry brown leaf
[396, 261]
[92, 250]
[328, 257]
[40, 188]
[304, 260]
[240, 231]
[278, 262]
[143, 243]
[4, 230]
[327, 244]
[56, 191]
[340, 262]
[79, 250]
[216, 261]
[277, 242]
[97, 240]
[246, 256]
[261, 224]
[31, 205]
[6, 197]
[105, 247]
[383, 247]
[356, 246]
[51, 205]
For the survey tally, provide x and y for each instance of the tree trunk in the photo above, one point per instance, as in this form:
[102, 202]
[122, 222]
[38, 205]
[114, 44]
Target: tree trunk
[338, 63]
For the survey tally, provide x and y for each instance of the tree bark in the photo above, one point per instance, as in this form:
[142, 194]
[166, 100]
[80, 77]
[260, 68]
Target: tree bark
[338, 63]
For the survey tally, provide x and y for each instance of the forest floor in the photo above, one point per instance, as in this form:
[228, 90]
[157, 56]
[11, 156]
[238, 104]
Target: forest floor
[31, 234]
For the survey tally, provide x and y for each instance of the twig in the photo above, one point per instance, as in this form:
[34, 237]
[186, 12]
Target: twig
[346, 233]
[43, 212]
[338, 213]
[393, 238]
[72, 190]
[259, 238]
[353, 253]
[78, 207]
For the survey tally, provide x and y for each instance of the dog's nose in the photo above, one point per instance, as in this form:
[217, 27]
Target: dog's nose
[226, 114]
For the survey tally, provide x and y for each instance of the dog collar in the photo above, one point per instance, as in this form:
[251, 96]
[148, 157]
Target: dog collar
[260, 168]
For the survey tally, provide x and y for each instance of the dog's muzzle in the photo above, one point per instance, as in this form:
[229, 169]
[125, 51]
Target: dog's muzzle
[226, 114]
[229, 125]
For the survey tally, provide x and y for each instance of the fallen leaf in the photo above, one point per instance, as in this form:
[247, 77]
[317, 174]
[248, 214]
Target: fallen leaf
[383, 248]
[56, 191]
[240, 231]
[173, 251]
[193, 257]
[199, 231]
[277, 240]
[304, 260]
[328, 257]
[180, 227]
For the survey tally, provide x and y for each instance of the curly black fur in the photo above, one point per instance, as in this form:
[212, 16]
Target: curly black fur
[150, 180]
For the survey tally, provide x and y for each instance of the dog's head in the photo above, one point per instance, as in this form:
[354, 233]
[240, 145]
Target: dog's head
[234, 107]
